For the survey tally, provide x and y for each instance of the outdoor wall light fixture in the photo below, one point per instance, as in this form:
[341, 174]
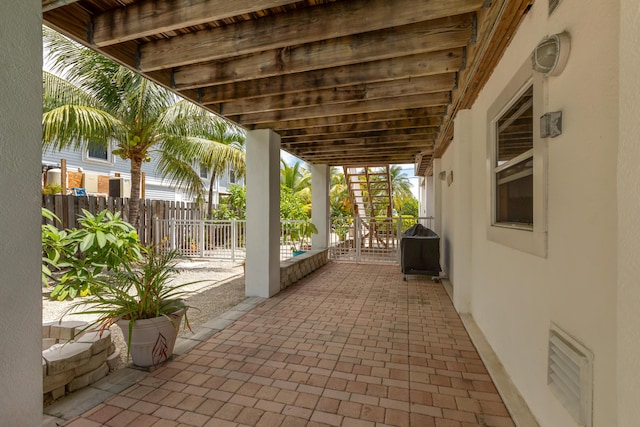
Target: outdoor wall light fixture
[551, 55]
[442, 175]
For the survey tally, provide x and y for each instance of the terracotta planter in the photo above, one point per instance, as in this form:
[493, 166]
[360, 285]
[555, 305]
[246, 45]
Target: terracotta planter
[152, 340]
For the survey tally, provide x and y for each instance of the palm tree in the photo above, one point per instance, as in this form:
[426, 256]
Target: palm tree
[94, 100]
[400, 186]
[339, 194]
[295, 188]
[218, 157]
[296, 178]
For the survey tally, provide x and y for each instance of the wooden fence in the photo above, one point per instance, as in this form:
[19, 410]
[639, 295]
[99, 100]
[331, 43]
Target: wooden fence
[69, 207]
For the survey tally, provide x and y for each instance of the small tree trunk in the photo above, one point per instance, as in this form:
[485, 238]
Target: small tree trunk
[134, 201]
[210, 203]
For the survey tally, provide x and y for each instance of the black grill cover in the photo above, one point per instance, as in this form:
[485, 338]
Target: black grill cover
[420, 251]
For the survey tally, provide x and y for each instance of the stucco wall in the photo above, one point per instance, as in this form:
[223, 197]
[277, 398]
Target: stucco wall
[446, 220]
[20, 136]
[628, 223]
[515, 295]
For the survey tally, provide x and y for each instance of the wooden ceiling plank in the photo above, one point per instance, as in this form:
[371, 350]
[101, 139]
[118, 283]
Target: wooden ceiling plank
[149, 17]
[359, 159]
[377, 105]
[354, 150]
[299, 82]
[413, 39]
[419, 123]
[424, 64]
[376, 90]
[424, 132]
[331, 97]
[373, 147]
[364, 118]
[304, 26]
[363, 141]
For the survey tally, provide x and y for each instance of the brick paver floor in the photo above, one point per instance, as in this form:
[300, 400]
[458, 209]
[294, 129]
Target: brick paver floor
[350, 345]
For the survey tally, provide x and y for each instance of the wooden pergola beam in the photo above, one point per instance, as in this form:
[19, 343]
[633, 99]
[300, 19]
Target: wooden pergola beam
[418, 123]
[361, 107]
[386, 149]
[362, 141]
[347, 119]
[369, 91]
[424, 64]
[300, 82]
[359, 159]
[150, 17]
[408, 40]
[332, 97]
[277, 31]
[428, 133]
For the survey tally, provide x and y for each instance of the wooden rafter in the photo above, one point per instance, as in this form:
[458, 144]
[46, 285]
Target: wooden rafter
[342, 81]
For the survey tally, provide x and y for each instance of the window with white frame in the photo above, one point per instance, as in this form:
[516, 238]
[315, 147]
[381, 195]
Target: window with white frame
[98, 152]
[204, 171]
[516, 159]
[513, 163]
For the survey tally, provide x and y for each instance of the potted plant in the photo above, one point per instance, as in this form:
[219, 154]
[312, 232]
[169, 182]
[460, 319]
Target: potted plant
[141, 300]
[300, 235]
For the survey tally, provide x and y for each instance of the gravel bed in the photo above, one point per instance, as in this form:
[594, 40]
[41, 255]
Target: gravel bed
[219, 287]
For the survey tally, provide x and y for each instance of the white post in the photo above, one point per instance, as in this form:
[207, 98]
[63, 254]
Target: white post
[172, 233]
[234, 238]
[358, 237]
[399, 236]
[20, 249]
[437, 197]
[201, 238]
[320, 209]
[263, 213]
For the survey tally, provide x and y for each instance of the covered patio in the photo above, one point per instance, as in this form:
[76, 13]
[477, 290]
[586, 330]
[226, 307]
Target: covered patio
[363, 82]
[350, 345]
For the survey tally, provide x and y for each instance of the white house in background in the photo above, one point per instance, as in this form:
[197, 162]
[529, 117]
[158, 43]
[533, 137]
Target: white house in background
[95, 161]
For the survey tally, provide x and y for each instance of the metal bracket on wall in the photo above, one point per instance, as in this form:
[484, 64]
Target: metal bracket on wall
[551, 124]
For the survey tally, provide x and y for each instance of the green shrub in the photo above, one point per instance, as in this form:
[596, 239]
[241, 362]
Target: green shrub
[84, 255]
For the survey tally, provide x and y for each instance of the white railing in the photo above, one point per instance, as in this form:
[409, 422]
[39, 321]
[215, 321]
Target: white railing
[225, 239]
[352, 238]
[370, 239]
[294, 237]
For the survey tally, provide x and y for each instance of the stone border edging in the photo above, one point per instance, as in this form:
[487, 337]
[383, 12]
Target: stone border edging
[73, 358]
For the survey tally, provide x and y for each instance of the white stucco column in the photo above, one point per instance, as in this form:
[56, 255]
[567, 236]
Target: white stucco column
[20, 248]
[628, 334]
[321, 212]
[461, 238]
[429, 196]
[437, 197]
[262, 273]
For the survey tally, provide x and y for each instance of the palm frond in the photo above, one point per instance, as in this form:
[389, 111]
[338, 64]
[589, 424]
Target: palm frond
[74, 125]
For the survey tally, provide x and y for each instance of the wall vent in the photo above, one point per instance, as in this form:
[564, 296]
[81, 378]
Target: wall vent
[553, 5]
[570, 374]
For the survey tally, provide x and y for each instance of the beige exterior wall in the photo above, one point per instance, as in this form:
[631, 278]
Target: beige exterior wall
[20, 154]
[628, 219]
[515, 296]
